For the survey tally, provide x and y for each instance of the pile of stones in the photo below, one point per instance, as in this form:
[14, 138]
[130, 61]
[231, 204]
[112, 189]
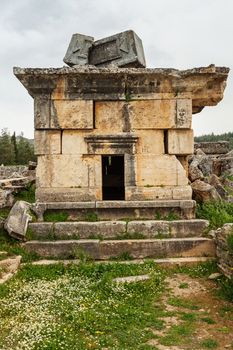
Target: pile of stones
[224, 249]
[211, 171]
[14, 179]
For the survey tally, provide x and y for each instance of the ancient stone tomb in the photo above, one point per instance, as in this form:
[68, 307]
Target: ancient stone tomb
[116, 133]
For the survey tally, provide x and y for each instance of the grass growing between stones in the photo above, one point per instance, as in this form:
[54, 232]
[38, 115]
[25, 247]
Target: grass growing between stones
[12, 247]
[55, 216]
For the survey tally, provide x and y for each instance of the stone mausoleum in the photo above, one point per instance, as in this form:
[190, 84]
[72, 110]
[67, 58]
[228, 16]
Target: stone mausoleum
[109, 129]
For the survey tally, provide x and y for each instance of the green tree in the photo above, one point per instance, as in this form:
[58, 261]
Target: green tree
[6, 148]
[15, 148]
[25, 150]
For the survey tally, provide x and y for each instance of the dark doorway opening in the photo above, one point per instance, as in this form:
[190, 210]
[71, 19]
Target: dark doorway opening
[113, 175]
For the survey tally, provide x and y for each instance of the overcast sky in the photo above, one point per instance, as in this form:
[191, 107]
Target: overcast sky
[176, 33]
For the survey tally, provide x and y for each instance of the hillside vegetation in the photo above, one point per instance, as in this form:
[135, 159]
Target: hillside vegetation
[212, 138]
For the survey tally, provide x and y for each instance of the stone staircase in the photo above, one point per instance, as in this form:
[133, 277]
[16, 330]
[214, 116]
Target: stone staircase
[107, 240]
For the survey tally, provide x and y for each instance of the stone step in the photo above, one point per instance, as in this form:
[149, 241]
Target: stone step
[116, 210]
[117, 229]
[135, 249]
[166, 262]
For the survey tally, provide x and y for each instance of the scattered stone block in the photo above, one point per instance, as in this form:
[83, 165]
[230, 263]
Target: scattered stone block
[214, 276]
[204, 192]
[17, 220]
[131, 279]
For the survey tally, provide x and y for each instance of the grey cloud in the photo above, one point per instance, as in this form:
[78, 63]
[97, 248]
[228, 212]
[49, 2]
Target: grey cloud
[180, 34]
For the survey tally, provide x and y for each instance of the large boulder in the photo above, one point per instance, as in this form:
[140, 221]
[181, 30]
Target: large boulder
[215, 181]
[17, 220]
[204, 192]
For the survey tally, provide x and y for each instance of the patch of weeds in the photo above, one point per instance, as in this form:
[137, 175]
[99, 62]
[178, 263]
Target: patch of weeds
[230, 242]
[226, 288]
[81, 255]
[171, 216]
[123, 256]
[158, 216]
[177, 334]
[218, 213]
[209, 344]
[190, 317]
[13, 247]
[97, 236]
[185, 303]
[127, 96]
[27, 194]
[55, 216]
[208, 320]
[183, 285]
[229, 177]
[33, 215]
[4, 212]
[201, 270]
[91, 217]
[225, 310]
[225, 330]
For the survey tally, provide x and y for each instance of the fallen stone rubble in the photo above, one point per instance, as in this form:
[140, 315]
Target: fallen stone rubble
[14, 179]
[211, 175]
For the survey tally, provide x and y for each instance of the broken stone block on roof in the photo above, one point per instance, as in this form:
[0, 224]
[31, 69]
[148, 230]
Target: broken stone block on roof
[78, 50]
[122, 50]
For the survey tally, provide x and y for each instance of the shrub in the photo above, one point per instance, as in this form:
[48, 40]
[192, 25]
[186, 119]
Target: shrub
[218, 213]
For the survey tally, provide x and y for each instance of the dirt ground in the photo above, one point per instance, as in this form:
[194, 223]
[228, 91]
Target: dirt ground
[213, 317]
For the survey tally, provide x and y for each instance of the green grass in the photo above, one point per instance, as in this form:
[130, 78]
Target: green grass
[183, 285]
[178, 334]
[50, 305]
[55, 216]
[218, 213]
[28, 194]
[184, 303]
[226, 288]
[4, 212]
[91, 217]
[55, 303]
[208, 320]
[209, 344]
[169, 217]
[12, 247]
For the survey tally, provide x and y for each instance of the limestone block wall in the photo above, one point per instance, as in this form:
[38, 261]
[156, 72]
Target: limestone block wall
[149, 133]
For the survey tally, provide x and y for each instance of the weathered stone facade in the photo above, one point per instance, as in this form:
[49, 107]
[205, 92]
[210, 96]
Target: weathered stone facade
[90, 120]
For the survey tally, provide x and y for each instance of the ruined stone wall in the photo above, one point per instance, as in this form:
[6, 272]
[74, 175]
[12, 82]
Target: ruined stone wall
[224, 249]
